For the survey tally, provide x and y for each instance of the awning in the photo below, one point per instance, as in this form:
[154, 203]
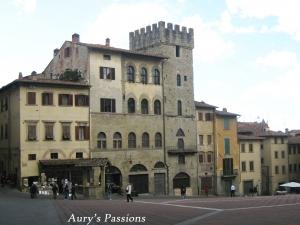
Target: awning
[76, 162]
[290, 184]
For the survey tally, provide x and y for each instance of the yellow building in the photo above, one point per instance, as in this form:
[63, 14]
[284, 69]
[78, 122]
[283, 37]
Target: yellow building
[294, 158]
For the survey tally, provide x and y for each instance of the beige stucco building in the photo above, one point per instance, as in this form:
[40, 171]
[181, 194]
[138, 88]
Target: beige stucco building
[294, 157]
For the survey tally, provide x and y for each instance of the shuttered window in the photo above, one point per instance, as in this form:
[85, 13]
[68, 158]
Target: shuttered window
[31, 98]
[49, 131]
[66, 131]
[227, 146]
[47, 99]
[81, 100]
[107, 105]
[31, 136]
[107, 73]
[65, 100]
[82, 133]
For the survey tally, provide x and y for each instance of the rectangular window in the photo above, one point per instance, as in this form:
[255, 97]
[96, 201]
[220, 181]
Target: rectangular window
[6, 131]
[185, 78]
[250, 148]
[65, 100]
[226, 124]
[251, 166]
[107, 105]
[290, 150]
[2, 132]
[242, 147]
[49, 131]
[209, 157]
[228, 166]
[31, 135]
[31, 157]
[209, 139]
[208, 117]
[282, 140]
[275, 140]
[200, 116]
[79, 155]
[54, 155]
[283, 154]
[82, 133]
[107, 57]
[295, 168]
[181, 159]
[276, 155]
[276, 170]
[283, 169]
[243, 166]
[227, 146]
[67, 52]
[201, 139]
[107, 73]
[298, 149]
[47, 98]
[294, 150]
[66, 131]
[81, 100]
[201, 158]
[177, 51]
[290, 168]
[31, 98]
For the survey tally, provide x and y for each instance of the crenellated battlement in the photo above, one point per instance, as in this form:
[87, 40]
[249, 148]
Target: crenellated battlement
[159, 33]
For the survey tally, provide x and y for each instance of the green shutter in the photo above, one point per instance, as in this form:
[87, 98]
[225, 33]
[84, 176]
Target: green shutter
[227, 146]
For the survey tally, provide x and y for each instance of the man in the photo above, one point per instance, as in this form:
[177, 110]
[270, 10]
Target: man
[128, 192]
[232, 190]
[54, 190]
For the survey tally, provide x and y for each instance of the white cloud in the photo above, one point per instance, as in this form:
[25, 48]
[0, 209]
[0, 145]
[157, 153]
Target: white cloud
[27, 6]
[278, 59]
[286, 12]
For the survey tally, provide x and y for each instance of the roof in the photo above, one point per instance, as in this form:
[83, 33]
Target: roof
[271, 133]
[225, 113]
[294, 140]
[249, 137]
[120, 50]
[252, 128]
[75, 162]
[202, 104]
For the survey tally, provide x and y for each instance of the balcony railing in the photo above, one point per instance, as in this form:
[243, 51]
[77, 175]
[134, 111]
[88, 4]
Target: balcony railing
[185, 150]
[229, 173]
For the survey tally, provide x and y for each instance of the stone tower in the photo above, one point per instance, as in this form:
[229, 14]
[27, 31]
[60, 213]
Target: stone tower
[177, 45]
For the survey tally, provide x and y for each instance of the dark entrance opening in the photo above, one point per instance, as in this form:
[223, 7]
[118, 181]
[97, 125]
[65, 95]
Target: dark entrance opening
[181, 180]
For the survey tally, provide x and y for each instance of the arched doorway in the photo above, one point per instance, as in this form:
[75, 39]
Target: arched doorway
[113, 175]
[160, 178]
[139, 178]
[181, 180]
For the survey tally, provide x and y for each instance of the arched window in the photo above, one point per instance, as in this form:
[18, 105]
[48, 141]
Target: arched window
[179, 108]
[156, 77]
[131, 105]
[138, 168]
[117, 140]
[178, 80]
[159, 165]
[131, 140]
[101, 143]
[158, 140]
[180, 143]
[145, 140]
[157, 108]
[130, 74]
[144, 106]
[144, 76]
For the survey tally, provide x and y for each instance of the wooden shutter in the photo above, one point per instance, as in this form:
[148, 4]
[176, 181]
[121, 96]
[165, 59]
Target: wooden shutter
[87, 133]
[87, 100]
[31, 98]
[43, 98]
[101, 73]
[113, 105]
[77, 133]
[113, 73]
[50, 98]
[70, 100]
[76, 100]
[60, 99]
[101, 105]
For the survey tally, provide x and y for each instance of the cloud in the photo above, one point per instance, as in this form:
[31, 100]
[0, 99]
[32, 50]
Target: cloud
[286, 12]
[278, 59]
[28, 6]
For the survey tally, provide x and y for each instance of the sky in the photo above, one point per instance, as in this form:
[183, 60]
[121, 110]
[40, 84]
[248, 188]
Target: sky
[246, 55]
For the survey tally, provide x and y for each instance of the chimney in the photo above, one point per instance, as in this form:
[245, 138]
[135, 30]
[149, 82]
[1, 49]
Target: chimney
[107, 42]
[55, 52]
[224, 110]
[20, 75]
[75, 38]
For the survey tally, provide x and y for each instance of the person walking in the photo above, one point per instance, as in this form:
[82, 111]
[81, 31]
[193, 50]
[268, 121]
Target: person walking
[232, 190]
[182, 191]
[33, 190]
[73, 192]
[54, 190]
[206, 190]
[66, 190]
[109, 191]
[128, 192]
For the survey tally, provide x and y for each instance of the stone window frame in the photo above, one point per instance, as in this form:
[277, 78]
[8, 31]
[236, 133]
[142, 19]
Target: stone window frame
[101, 140]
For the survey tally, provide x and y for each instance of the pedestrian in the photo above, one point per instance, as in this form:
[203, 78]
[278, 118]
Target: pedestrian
[70, 189]
[182, 191]
[66, 190]
[109, 191]
[73, 191]
[33, 190]
[232, 190]
[54, 190]
[206, 190]
[128, 192]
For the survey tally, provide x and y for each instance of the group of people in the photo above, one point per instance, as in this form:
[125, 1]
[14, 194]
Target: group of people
[69, 190]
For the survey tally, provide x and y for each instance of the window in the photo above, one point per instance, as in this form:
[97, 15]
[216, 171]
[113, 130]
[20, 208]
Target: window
[156, 77]
[276, 170]
[31, 157]
[201, 157]
[117, 140]
[200, 139]
[283, 169]
[227, 166]
[79, 155]
[294, 150]
[131, 105]
[47, 99]
[275, 140]
[66, 131]
[208, 116]
[179, 108]
[276, 155]
[243, 166]
[295, 168]
[82, 133]
[157, 107]
[81, 100]
[243, 148]
[144, 76]
[2, 132]
[298, 149]
[283, 154]
[177, 49]
[31, 136]
[180, 143]
[181, 159]
[209, 157]
[65, 99]
[145, 140]
[185, 78]
[250, 148]
[290, 150]
[49, 131]
[290, 168]
[67, 52]
[158, 140]
[6, 131]
[226, 124]
[54, 155]
[209, 139]
[130, 74]
[251, 166]
[144, 106]
[31, 98]
[200, 116]
[107, 105]
[282, 140]
[227, 146]
[107, 73]
[107, 57]
[131, 140]
[178, 80]
[101, 143]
